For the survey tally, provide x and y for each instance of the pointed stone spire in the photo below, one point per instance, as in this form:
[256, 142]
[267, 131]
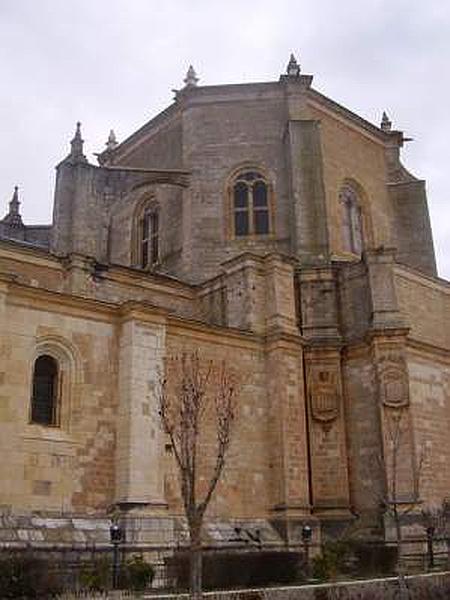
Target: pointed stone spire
[293, 68]
[13, 218]
[191, 78]
[386, 123]
[76, 153]
[112, 141]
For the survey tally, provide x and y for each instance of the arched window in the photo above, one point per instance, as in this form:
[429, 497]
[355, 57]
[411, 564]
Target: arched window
[44, 400]
[351, 220]
[149, 237]
[250, 201]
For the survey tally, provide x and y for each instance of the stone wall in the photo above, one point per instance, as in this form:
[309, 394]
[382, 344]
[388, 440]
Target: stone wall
[125, 216]
[222, 133]
[306, 146]
[107, 447]
[425, 302]
[433, 585]
[244, 489]
[69, 467]
[292, 386]
[158, 145]
[353, 155]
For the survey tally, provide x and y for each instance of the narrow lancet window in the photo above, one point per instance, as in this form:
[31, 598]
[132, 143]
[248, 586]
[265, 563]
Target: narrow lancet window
[149, 243]
[351, 221]
[44, 401]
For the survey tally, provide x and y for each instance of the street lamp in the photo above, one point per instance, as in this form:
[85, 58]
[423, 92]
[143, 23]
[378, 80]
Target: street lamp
[116, 535]
[306, 538]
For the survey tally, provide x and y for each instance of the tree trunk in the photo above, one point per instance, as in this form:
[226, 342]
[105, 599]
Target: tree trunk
[195, 550]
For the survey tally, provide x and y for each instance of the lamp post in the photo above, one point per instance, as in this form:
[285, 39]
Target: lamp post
[306, 538]
[116, 537]
[430, 549]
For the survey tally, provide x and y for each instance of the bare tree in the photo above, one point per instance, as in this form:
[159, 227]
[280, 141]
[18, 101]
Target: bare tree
[392, 500]
[195, 399]
[390, 497]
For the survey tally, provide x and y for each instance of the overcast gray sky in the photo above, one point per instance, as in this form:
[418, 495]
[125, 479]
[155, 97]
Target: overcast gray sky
[113, 63]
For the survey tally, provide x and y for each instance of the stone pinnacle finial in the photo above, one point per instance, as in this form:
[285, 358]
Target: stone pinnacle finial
[76, 153]
[112, 141]
[13, 217]
[191, 78]
[293, 68]
[386, 123]
[14, 202]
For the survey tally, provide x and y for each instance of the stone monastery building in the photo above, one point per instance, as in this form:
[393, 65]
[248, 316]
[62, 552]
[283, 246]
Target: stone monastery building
[259, 223]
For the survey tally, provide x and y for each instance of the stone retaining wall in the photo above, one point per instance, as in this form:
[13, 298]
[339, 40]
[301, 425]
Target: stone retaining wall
[430, 586]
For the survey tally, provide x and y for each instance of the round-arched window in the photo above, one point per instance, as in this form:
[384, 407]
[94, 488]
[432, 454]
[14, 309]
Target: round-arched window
[44, 401]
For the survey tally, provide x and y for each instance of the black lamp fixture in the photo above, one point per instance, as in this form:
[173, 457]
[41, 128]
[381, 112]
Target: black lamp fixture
[306, 533]
[306, 538]
[116, 535]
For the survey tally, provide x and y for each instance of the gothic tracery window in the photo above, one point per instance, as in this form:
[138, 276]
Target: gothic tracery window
[44, 400]
[251, 211]
[149, 237]
[351, 220]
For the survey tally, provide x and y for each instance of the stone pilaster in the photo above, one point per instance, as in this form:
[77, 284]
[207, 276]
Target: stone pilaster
[398, 451]
[260, 294]
[325, 406]
[388, 338]
[140, 476]
[4, 289]
[78, 275]
[287, 425]
[296, 95]
[280, 295]
[326, 424]
[385, 310]
[261, 298]
[245, 292]
[304, 157]
[318, 305]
